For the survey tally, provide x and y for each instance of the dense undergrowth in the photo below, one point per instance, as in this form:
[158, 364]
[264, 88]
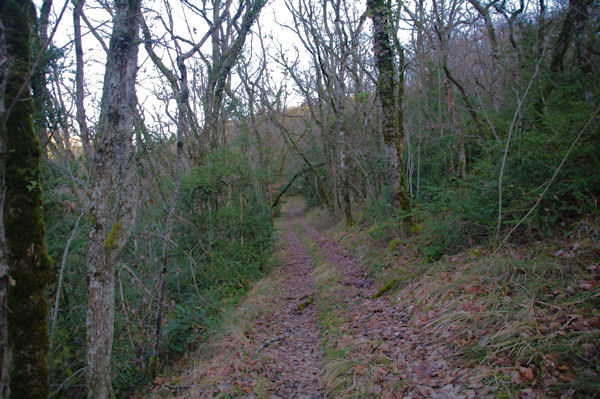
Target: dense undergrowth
[520, 322]
[221, 243]
[227, 360]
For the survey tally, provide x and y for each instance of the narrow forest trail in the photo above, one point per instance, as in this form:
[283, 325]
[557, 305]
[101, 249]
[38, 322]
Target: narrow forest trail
[296, 374]
[312, 330]
[272, 349]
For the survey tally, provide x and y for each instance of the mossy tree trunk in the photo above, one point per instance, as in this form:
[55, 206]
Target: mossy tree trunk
[4, 269]
[113, 169]
[390, 93]
[29, 263]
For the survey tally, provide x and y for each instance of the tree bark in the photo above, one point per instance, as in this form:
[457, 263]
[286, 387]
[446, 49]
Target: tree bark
[462, 158]
[391, 105]
[4, 268]
[344, 179]
[29, 262]
[113, 159]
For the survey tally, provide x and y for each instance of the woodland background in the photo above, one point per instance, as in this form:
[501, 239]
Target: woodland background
[172, 183]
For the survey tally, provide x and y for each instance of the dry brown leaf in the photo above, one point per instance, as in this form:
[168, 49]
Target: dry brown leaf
[587, 285]
[527, 372]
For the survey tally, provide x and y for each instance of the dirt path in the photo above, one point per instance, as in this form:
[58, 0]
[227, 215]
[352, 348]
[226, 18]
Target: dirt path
[271, 349]
[296, 375]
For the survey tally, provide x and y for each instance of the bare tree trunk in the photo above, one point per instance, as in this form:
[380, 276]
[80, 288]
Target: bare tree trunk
[113, 152]
[182, 128]
[387, 86]
[584, 46]
[221, 69]
[79, 81]
[344, 180]
[465, 98]
[462, 158]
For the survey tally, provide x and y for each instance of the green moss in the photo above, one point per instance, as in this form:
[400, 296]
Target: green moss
[394, 244]
[30, 265]
[112, 237]
[415, 229]
[304, 304]
[393, 283]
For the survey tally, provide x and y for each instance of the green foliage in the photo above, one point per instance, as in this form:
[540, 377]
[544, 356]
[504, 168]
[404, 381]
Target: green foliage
[442, 236]
[456, 214]
[382, 213]
[221, 243]
[235, 232]
[222, 232]
[67, 354]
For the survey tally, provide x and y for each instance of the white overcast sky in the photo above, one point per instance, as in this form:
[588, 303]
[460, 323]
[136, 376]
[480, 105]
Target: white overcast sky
[275, 11]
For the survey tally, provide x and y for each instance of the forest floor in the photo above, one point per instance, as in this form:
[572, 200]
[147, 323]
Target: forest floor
[324, 325]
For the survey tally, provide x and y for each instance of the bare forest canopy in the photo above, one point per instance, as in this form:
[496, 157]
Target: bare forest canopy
[146, 147]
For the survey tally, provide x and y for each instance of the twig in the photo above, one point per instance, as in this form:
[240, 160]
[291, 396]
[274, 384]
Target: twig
[60, 275]
[124, 309]
[267, 343]
[510, 132]
[65, 382]
[181, 386]
[137, 279]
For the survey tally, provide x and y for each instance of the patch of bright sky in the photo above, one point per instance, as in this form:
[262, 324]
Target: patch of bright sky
[153, 91]
[152, 88]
